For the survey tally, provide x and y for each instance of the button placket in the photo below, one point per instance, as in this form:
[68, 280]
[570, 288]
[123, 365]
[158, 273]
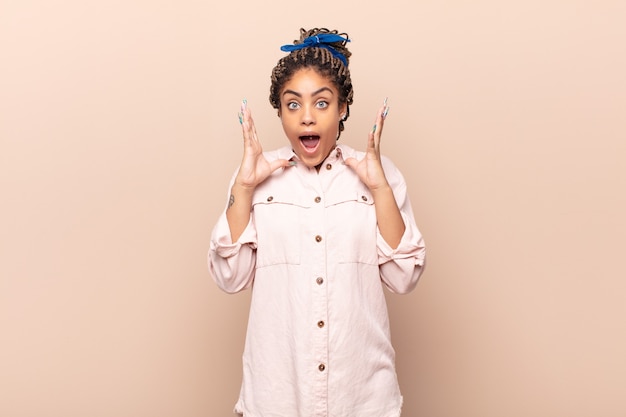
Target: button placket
[316, 247]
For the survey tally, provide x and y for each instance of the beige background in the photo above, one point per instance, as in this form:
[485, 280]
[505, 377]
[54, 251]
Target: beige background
[118, 135]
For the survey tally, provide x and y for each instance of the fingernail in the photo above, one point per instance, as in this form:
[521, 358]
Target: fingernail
[385, 102]
[240, 118]
[374, 129]
[385, 112]
[244, 104]
[292, 163]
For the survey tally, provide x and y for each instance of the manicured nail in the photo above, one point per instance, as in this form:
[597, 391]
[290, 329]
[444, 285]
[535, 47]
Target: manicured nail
[374, 129]
[240, 118]
[293, 163]
[386, 108]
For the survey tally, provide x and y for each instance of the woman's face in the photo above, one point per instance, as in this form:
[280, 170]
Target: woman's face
[310, 114]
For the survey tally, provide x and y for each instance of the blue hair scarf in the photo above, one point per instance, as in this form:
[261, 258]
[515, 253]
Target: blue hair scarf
[322, 40]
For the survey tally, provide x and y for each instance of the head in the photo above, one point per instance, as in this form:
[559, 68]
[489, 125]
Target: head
[311, 68]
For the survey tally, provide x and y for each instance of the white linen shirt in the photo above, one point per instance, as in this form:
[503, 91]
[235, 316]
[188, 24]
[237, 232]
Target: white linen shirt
[318, 342]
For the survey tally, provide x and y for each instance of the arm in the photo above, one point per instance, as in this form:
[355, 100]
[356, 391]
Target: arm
[238, 210]
[390, 222]
[400, 245]
[370, 171]
[232, 263]
[254, 170]
[401, 266]
[232, 253]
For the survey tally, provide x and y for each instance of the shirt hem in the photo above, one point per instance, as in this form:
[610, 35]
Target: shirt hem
[238, 410]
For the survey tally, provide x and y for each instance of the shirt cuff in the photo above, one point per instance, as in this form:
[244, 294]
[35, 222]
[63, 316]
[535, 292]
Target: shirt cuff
[221, 241]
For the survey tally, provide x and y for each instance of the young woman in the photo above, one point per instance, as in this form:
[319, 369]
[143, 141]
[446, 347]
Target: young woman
[316, 229]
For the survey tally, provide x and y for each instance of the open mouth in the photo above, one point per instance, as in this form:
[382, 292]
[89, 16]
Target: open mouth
[310, 142]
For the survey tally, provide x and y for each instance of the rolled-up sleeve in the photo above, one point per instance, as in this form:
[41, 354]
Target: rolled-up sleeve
[401, 268]
[231, 263]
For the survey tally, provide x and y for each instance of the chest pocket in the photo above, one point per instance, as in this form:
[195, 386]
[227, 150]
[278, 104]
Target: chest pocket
[353, 226]
[278, 221]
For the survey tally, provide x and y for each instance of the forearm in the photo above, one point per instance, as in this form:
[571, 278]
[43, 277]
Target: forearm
[390, 222]
[238, 210]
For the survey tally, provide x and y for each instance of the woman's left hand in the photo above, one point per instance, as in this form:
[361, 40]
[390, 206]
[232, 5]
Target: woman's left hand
[370, 168]
[370, 171]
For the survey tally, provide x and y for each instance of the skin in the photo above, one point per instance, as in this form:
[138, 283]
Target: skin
[310, 107]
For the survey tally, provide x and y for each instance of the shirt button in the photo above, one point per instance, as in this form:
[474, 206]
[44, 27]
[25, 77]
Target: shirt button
[270, 198]
[321, 367]
[319, 280]
[318, 238]
[318, 199]
[364, 198]
[320, 324]
[330, 166]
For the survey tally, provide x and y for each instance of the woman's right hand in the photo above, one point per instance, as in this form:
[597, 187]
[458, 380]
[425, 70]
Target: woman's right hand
[254, 167]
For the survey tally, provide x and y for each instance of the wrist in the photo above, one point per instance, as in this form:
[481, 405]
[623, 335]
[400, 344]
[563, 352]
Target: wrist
[241, 188]
[383, 189]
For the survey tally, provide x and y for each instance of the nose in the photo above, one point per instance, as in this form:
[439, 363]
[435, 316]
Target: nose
[308, 116]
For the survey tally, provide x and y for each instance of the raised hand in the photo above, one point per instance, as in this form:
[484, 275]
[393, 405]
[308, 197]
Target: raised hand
[371, 173]
[254, 167]
[370, 169]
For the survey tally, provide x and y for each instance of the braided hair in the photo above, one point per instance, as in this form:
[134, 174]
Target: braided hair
[322, 61]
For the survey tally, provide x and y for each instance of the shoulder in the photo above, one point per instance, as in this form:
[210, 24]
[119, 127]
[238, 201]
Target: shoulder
[394, 175]
[389, 165]
[391, 170]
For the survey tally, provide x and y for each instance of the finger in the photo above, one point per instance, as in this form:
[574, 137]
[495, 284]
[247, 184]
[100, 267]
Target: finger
[281, 163]
[385, 109]
[247, 124]
[253, 133]
[247, 118]
[244, 120]
[379, 120]
[351, 162]
[372, 142]
[377, 131]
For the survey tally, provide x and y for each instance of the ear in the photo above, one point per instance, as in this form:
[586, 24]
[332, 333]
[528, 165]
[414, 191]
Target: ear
[343, 110]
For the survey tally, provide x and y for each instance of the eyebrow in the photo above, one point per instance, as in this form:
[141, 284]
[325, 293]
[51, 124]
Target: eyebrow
[295, 93]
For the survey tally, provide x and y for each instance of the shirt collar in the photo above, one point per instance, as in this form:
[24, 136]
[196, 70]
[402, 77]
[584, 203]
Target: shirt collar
[286, 153]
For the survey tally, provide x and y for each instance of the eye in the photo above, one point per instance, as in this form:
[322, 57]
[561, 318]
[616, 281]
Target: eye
[292, 105]
[321, 104]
